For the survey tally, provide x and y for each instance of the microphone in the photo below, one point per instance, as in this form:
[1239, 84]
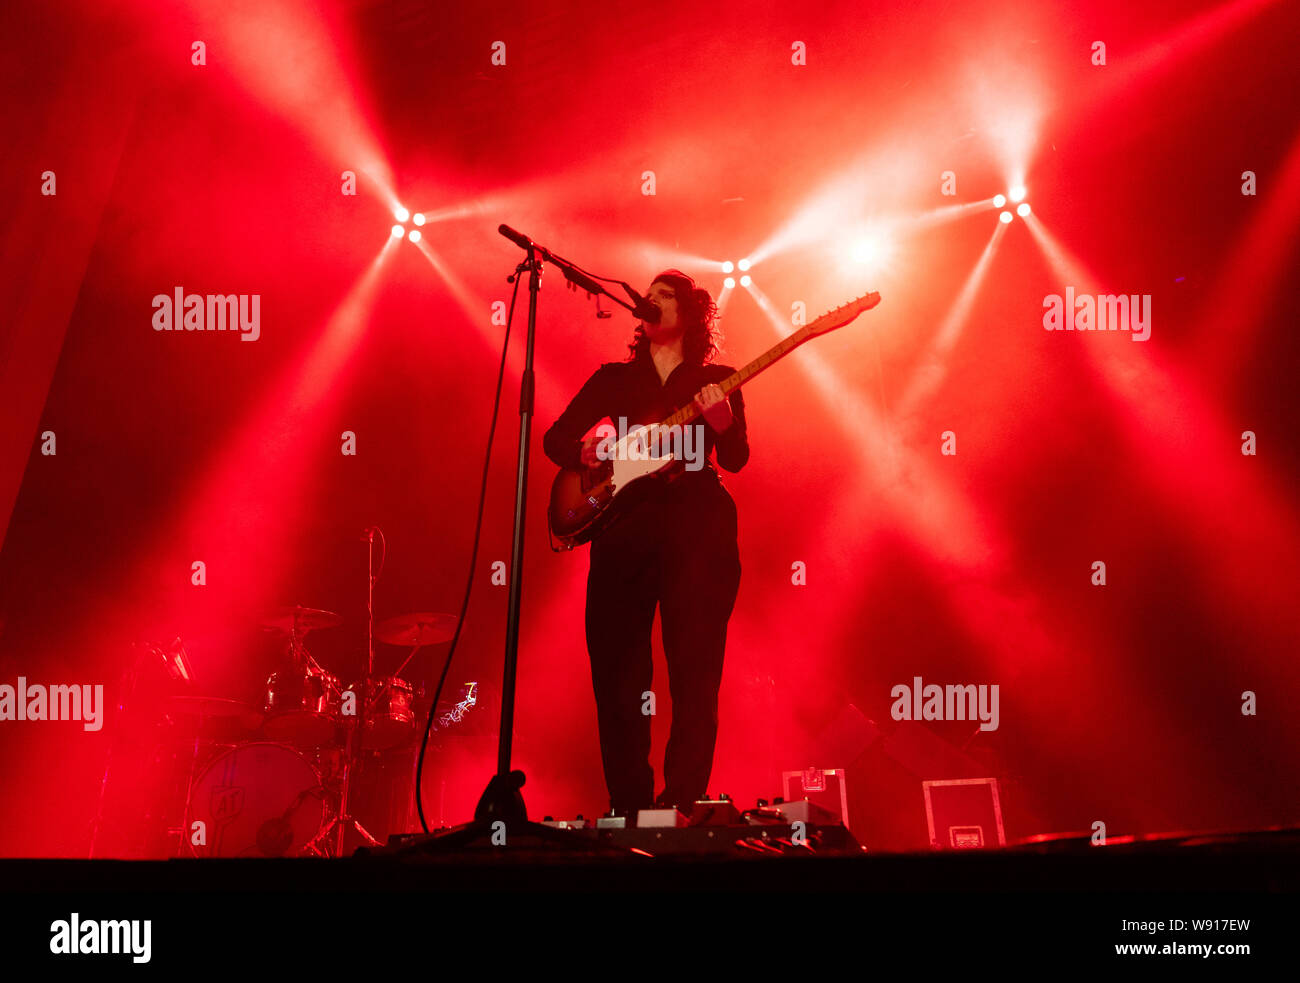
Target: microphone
[518, 238]
[274, 837]
[645, 311]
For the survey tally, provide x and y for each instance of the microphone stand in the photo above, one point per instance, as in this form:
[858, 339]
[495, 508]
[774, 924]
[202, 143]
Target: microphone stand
[502, 802]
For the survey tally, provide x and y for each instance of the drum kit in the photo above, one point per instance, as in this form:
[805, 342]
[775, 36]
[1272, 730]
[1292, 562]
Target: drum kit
[278, 782]
[217, 777]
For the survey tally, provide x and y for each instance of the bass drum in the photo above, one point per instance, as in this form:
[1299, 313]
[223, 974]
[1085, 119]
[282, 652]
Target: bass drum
[256, 800]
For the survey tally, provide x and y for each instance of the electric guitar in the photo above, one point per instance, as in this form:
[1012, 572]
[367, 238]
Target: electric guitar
[586, 501]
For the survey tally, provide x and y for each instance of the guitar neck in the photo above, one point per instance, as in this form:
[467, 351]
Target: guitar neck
[741, 376]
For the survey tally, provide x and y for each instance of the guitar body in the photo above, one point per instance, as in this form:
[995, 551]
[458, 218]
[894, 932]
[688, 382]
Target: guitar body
[586, 502]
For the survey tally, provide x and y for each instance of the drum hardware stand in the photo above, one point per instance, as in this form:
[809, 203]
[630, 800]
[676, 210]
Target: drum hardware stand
[126, 691]
[299, 657]
[344, 819]
[356, 732]
[398, 673]
[189, 788]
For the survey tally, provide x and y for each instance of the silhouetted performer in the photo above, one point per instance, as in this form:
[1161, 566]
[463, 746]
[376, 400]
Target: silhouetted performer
[676, 549]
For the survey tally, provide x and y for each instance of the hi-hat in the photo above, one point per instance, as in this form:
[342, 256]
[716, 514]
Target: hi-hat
[214, 716]
[211, 706]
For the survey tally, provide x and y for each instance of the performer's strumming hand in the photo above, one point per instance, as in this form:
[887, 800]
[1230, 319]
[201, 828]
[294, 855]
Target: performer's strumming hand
[715, 408]
[590, 458]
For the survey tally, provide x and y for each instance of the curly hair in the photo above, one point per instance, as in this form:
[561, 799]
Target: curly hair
[702, 339]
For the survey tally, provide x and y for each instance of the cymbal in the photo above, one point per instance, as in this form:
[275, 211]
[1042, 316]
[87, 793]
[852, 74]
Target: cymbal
[303, 619]
[209, 706]
[213, 717]
[419, 628]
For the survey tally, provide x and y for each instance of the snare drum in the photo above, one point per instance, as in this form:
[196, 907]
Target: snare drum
[302, 707]
[390, 720]
[256, 800]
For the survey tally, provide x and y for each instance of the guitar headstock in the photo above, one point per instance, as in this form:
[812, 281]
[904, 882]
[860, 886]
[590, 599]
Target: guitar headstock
[843, 314]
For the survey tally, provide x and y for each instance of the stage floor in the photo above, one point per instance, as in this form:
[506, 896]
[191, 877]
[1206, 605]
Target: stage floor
[1062, 901]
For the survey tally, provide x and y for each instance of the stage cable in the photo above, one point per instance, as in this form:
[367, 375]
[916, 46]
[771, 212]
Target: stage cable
[473, 562]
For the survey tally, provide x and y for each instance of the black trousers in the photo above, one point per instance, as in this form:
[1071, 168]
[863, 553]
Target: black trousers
[676, 551]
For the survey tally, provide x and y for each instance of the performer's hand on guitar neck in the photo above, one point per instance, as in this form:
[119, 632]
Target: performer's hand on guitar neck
[714, 407]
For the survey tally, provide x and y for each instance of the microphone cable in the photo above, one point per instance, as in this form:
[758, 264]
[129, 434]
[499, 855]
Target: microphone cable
[473, 561]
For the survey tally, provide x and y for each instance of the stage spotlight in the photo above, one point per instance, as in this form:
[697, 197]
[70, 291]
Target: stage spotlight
[1004, 218]
[745, 280]
[398, 232]
[999, 201]
[743, 265]
[1017, 193]
[729, 283]
[414, 235]
[418, 218]
[728, 266]
[401, 214]
[1022, 209]
[873, 248]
